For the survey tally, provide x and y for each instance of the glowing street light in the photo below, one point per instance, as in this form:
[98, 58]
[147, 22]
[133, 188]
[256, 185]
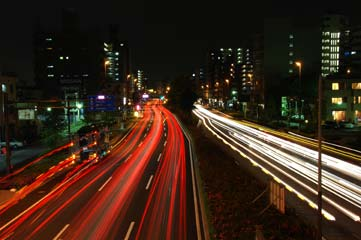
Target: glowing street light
[79, 106]
[107, 62]
[299, 65]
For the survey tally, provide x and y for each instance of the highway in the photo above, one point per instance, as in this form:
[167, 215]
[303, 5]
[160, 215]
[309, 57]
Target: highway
[143, 189]
[295, 166]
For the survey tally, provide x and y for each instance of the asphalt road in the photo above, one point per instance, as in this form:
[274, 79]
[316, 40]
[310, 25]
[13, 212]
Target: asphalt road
[142, 189]
[295, 167]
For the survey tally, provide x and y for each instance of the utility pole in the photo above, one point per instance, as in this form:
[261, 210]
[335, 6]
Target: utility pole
[68, 116]
[319, 164]
[7, 134]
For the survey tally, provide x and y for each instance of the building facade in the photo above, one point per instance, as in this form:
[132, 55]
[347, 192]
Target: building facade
[342, 98]
[67, 62]
[350, 59]
[228, 77]
[8, 99]
[333, 27]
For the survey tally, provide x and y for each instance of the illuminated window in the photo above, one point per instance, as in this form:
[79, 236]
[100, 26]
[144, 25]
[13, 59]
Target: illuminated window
[291, 54]
[339, 115]
[336, 100]
[61, 57]
[49, 48]
[335, 86]
[50, 75]
[50, 66]
[357, 99]
[356, 85]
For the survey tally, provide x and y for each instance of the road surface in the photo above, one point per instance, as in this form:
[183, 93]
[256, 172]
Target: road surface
[295, 166]
[143, 189]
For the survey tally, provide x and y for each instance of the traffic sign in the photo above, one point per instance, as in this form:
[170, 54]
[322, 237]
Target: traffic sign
[101, 103]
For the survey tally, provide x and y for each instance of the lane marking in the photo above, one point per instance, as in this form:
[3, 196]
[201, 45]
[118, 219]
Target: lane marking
[9, 235]
[129, 231]
[130, 155]
[149, 181]
[101, 188]
[236, 162]
[165, 143]
[160, 155]
[145, 135]
[61, 232]
[36, 218]
[140, 144]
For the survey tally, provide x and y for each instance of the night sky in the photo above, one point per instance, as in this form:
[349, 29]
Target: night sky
[167, 38]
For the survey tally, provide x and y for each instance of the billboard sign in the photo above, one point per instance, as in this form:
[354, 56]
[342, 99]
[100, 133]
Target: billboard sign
[99, 103]
[26, 114]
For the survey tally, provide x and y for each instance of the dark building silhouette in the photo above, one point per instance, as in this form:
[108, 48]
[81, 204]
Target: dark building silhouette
[350, 57]
[68, 61]
[291, 64]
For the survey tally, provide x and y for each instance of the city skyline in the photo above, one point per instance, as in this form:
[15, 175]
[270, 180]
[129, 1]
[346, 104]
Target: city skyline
[165, 41]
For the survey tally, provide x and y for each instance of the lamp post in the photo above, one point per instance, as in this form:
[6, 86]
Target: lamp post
[299, 65]
[5, 123]
[319, 162]
[225, 93]
[253, 93]
[107, 62]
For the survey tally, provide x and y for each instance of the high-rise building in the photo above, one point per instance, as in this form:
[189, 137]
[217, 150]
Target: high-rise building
[350, 57]
[117, 63]
[67, 61]
[141, 80]
[333, 26]
[288, 63]
[227, 78]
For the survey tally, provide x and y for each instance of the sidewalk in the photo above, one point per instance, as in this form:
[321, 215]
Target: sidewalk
[21, 156]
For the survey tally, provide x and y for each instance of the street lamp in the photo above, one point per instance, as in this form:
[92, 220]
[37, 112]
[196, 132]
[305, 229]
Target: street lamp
[319, 162]
[107, 62]
[299, 65]
[254, 99]
[79, 107]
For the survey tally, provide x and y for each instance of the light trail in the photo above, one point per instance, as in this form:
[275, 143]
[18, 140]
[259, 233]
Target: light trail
[343, 194]
[164, 216]
[75, 176]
